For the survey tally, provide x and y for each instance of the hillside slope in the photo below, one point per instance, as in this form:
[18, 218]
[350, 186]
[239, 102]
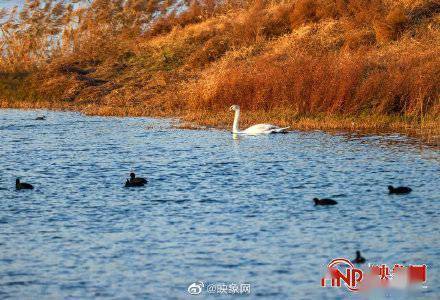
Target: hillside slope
[371, 64]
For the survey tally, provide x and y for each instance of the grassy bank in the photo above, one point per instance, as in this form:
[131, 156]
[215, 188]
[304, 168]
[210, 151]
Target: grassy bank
[428, 131]
[370, 65]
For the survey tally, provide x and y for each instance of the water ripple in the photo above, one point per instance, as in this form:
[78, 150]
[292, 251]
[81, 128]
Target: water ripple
[216, 209]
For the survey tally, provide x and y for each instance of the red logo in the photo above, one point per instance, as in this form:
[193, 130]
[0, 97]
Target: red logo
[342, 270]
[351, 278]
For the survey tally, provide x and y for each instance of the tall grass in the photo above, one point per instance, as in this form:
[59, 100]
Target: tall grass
[300, 58]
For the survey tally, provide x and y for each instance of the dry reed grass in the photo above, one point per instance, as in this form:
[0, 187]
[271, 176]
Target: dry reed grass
[310, 64]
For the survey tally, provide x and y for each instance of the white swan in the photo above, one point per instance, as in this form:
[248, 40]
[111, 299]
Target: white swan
[255, 129]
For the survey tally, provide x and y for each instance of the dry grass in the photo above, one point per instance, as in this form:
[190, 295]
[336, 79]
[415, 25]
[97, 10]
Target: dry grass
[309, 64]
[427, 132]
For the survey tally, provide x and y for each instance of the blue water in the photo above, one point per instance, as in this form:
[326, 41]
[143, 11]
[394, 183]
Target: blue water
[217, 209]
[10, 3]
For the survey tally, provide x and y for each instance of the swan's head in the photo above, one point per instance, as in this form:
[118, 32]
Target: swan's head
[234, 107]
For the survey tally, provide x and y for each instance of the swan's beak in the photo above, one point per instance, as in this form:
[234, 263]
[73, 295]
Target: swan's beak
[231, 108]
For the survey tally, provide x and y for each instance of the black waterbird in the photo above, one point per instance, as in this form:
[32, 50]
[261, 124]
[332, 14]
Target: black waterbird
[324, 201]
[22, 185]
[135, 181]
[401, 190]
[359, 259]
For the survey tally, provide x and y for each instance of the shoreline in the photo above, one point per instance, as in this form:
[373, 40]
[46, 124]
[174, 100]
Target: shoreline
[427, 132]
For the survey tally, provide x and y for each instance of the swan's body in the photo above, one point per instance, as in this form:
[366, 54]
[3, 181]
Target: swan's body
[255, 129]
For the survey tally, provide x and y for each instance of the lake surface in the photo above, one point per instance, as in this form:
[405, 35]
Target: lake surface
[216, 209]
[10, 3]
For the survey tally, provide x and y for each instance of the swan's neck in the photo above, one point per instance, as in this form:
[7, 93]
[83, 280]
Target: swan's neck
[235, 125]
